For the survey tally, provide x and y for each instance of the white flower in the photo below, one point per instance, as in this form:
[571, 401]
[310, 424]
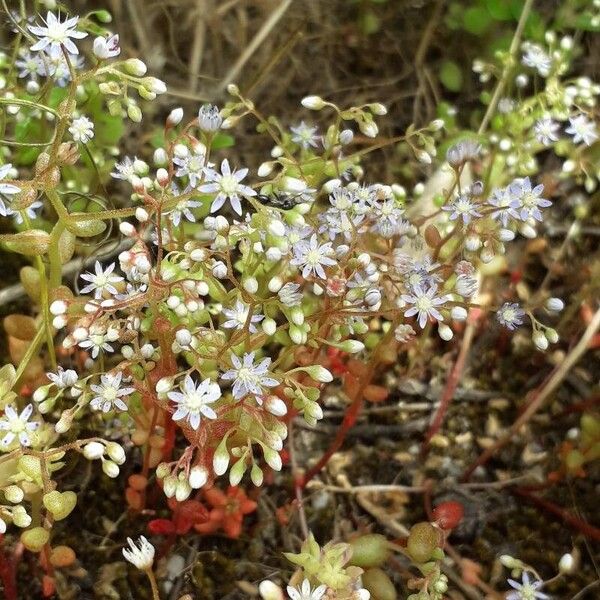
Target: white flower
[462, 207]
[96, 340]
[510, 315]
[537, 59]
[107, 47]
[16, 425]
[7, 188]
[546, 131]
[63, 379]
[82, 130]
[143, 556]
[55, 34]
[289, 294]
[110, 393]
[304, 592]
[249, 378]
[529, 199]
[505, 206]
[238, 315]
[228, 186]
[182, 209]
[305, 135]
[425, 304]
[101, 281]
[526, 590]
[582, 130]
[191, 165]
[124, 170]
[209, 118]
[193, 401]
[29, 65]
[311, 256]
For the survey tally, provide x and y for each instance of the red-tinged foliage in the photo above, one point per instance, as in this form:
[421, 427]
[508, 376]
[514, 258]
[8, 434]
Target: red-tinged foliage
[227, 512]
[184, 516]
[48, 586]
[448, 514]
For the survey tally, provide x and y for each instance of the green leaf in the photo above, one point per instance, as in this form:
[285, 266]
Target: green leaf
[369, 23]
[499, 9]
[451, 76]
[222, 140]
[477, 20]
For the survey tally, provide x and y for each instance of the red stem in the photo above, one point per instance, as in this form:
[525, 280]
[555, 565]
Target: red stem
[575, 522]
[349, 420]
[8, 573]
[452, 383]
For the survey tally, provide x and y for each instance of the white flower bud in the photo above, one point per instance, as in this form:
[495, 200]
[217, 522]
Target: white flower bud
[269, 326]
[250, 284]
[170, 485]
[551, 335]
[127, 229]
[182, 490]
[276, 406]
[59, 322]
[458, 313]
[164, 385]
[472, 243]
[540, 340]
[554, 304]
[273, 254]
[141, 214]
[445, 332]
[134, 66]
[221, 459]
[275, 284]
[183, 337]
[273, 458]
[115, 452]
[567, 564]
[527, 231]
[506, 235]
[93, 450]
[269, 591]
[58, 307]
[293, 184]
[160, 157]
[346, 137]
[265, 169]
[351, 346]
[110, 468]
[175, 116]
[319, 373]
[198, 255]
[313, 102]
[219, 270]
[277, 228]
[198, 477]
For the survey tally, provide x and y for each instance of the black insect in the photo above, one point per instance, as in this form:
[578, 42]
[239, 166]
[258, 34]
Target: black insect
[280, 200]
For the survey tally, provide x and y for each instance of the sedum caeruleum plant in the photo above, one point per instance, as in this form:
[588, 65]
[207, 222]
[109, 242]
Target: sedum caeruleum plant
[235, 289]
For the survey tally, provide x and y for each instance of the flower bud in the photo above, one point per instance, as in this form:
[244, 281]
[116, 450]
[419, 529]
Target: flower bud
[445, 332]
[221, 458]
[198, 477]
[164, 385]
[182, 490]
[554, 304]
[567, 564]
[313, 102]
[14, 494]
[175, 117]
[93, 450]
[276, 406]
[458, 313]
[319, 373]
[115, 452]
[351, 346]
[134, 66]
[183, 337]
[110, 468]
[540, 340]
